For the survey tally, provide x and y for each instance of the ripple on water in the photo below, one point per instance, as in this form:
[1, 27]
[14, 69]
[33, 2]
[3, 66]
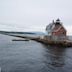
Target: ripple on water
[31, 56]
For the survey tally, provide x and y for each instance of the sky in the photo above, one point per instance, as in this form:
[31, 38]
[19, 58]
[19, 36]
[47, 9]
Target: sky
[34, 15]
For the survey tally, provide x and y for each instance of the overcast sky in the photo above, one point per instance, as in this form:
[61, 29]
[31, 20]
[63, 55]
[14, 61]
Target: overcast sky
[34, 15]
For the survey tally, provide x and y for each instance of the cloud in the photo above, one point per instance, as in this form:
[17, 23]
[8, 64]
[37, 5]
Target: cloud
[69, 29]
[34, 15]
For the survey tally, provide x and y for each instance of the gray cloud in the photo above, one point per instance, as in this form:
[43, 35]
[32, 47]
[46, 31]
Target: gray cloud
[34, 13]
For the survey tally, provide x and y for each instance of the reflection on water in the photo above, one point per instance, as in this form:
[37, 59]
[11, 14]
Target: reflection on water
[56, 56]
[31, 56]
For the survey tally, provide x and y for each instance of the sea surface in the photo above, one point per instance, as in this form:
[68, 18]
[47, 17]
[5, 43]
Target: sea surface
[31, 56]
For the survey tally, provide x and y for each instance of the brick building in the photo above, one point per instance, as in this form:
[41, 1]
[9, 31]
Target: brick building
[56, 30]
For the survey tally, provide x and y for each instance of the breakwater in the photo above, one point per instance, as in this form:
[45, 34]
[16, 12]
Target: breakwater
[44, 40]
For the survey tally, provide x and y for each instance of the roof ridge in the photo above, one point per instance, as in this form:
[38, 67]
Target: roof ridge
[58, 29]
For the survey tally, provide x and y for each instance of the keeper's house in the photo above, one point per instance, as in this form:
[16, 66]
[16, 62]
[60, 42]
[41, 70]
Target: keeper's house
[56, 30]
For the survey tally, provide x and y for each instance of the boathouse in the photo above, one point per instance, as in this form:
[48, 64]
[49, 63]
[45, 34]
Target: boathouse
[56, 30]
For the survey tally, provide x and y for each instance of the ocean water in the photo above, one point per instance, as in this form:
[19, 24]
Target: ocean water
[31, 56]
